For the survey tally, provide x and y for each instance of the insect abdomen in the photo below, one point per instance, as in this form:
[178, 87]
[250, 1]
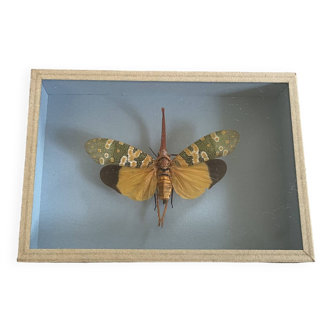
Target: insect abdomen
[164, 185]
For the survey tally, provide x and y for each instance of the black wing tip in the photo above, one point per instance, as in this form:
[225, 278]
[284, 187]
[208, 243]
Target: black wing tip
[109, 175]
[217, 170]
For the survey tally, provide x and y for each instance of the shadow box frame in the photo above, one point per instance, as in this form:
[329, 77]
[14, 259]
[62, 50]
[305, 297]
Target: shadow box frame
[27, 254]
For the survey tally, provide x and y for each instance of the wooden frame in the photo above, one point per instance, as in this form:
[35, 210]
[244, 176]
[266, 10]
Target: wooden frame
[109, 255]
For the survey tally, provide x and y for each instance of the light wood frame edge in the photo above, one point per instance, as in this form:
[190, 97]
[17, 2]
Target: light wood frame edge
[125, 255]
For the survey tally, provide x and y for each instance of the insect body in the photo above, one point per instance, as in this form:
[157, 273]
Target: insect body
[134, 173]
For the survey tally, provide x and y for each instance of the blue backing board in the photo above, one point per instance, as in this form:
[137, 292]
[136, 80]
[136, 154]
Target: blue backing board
[255, 206]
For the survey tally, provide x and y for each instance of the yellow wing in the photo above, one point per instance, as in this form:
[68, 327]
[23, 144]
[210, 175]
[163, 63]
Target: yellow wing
[138, 184]
[191, 182]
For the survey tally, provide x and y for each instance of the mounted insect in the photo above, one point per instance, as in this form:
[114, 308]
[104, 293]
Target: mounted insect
[133, 173]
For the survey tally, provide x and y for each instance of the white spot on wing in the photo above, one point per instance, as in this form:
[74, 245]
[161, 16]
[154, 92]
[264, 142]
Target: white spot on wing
[204, 156]
[123, 161]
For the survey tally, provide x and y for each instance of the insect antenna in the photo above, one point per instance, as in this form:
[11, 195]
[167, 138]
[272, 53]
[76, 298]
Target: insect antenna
[172, 154]
[153, 152]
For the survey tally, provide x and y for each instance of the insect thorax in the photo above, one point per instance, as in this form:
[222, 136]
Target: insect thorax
[163, 161]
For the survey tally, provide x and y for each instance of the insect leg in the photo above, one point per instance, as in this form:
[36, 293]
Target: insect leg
[172, 198]
[155, 201]
[159, 220]
[162, 219]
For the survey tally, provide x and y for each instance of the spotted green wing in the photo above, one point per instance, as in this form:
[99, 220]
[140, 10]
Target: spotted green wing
[111, 152]
[218, 144]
